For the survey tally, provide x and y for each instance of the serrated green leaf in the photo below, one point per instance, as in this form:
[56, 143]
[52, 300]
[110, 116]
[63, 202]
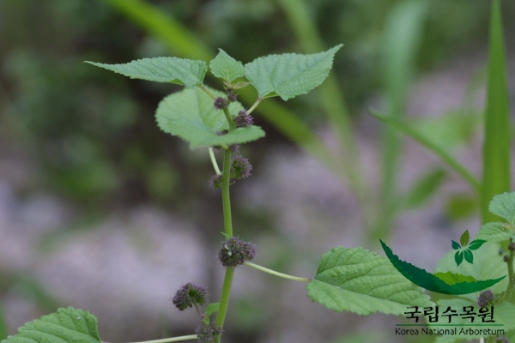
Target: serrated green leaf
[456, 245]
[212, 308]
[503, 205]
[182, 71]
[495, 232]
[225, 67]
[503, 314]
[190, 114]
[68, 325]
[464, 239]
[360, 281]
[476, 244]
[289, 75]
[430, 282]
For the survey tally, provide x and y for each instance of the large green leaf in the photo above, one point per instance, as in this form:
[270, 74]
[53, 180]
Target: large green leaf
[495, 232]
[360, 281]
[68, 325]
[503, 205]
[182, 71]
[225, 67]
[190, 114]
[289, 75]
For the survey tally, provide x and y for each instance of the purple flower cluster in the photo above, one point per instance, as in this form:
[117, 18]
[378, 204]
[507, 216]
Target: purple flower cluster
[189, 295]
[231, 95]
[234, 252]
[501, 339]
[215, 182]
[241, 167]
[243, 119]
[485, 298]
[220, 103]
[208, 333]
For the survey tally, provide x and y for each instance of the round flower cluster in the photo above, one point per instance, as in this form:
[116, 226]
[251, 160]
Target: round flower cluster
[485, 298]
[243, 119]
[208, 333]
[241, 167]
[189, 295]
[220, 103]
[235, 252]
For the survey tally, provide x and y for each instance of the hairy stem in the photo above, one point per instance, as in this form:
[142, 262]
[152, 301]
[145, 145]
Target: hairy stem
[511, 277]
[229, 271]
[273, 272]
[165, 340]
[224, 299]
[226, 199]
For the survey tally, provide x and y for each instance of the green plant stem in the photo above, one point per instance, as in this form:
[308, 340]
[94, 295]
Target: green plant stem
[229, 271]
[273, 272]
[226, 199]
[224, 299]
[232, 124]
[171, 339]
[511, 278]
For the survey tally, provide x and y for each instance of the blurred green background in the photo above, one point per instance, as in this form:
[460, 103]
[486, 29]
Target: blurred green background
[88, 137]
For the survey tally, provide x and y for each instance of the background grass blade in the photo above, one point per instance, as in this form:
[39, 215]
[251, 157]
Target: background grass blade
[3, 324]
[302, 23]
[496, 148]
[444, 155]
[401, 40]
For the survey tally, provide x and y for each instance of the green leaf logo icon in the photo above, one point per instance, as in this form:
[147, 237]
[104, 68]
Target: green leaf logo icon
[464, 250]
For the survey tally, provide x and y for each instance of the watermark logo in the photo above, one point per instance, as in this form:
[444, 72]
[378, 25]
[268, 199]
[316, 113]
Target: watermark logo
[445, 283]
[464, 250]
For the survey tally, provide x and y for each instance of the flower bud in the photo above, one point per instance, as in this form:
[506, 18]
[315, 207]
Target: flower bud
[485, 298]
[511, 247]
[243, 119]
[215, 182]
[189, 295]
[208, 333]
[505, 258]
[220, 103]
[241, 167]
[234, 252]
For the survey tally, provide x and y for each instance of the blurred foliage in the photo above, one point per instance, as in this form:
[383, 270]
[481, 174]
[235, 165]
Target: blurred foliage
[92, 134]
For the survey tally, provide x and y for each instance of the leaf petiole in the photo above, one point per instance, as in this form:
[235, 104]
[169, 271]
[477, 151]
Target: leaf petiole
[207, 91]
[166, 340]
[213, 160]
[273, 272]
[251, 109]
